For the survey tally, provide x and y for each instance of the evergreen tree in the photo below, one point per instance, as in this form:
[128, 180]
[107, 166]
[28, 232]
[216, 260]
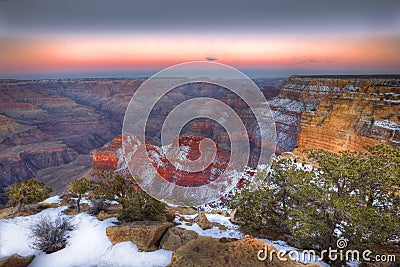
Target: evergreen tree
[27, 192]
[78, 187]
[354, 195]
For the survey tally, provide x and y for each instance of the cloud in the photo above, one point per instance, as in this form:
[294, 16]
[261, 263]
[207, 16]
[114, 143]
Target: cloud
[311, 61]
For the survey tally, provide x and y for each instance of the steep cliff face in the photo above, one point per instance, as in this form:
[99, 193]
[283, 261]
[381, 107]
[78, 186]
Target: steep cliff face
[340, 113]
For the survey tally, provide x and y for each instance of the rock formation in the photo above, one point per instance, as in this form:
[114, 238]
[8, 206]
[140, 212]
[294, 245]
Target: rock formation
[144, 234]
[208, 251]
[332, 113]
[16, 260]
[340, 112]
[176, 237]
[106, 157]
[41, 129]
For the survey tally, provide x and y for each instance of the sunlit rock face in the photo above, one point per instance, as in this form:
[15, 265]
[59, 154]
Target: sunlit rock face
[107, 157]
[338, 113]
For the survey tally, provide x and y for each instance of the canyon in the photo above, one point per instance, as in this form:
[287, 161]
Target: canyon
[57, 130]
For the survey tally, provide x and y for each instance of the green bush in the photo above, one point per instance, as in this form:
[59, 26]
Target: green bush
[27, 192]
[137, 205]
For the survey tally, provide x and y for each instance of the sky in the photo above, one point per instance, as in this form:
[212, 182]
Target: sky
[127, 38]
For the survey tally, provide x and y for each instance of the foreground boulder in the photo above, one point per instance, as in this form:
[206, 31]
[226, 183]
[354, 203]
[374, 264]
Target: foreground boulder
[208, 251]
[144, 234]
[16, 260]
[202, 221]
[176, 237]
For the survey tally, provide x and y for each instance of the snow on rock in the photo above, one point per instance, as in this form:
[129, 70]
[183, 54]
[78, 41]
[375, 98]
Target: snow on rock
[387, 125]
[88, 244]
[232, 230]
[52, 200]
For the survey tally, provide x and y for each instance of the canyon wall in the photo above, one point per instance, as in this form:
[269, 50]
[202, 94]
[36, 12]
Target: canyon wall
[339, 112]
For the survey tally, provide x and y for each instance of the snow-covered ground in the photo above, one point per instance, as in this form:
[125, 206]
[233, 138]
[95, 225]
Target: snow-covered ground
[88, 244]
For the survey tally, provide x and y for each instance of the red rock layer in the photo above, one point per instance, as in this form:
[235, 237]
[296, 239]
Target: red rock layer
[106, 158]
[184, 178]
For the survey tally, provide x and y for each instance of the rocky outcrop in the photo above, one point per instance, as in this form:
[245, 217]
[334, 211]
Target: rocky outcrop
[208, 251]
[144, 234]
[176, 237]
[338, 112]
[202, 221]
[16, 260]
[79, 115]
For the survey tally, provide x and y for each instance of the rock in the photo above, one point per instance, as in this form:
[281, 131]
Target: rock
[6, 212]
[56, 248]
[104, 215]
[42, 127]
[16, 260]
[208, 251]
[202, 221]
[183, 210]
[144, 234]
[176, 237]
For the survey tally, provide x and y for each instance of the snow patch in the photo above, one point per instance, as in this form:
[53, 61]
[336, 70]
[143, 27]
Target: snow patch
[387, 125]
[232, 230]
[52, 200]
